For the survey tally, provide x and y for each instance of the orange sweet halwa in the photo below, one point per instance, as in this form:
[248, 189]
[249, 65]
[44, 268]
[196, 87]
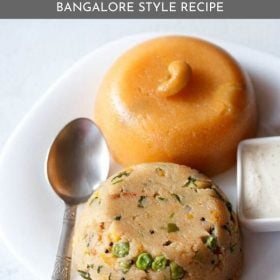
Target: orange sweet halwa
[176, 99]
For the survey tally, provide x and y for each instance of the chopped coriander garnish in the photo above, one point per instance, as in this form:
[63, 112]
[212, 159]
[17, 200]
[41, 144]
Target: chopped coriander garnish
[211, 242]
[141, 200]
[118, 177]
[84, 274]
[99, 268]
[117, 181]
[90, 266]
[198, 183]
[171, 227]
[190, 181]
[156, 195]
[171, 215]
[177, 197]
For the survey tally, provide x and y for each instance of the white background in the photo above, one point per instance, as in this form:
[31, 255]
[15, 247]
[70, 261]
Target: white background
[34, 53]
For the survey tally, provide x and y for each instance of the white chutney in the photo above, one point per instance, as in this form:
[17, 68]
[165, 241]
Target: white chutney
[260, 180]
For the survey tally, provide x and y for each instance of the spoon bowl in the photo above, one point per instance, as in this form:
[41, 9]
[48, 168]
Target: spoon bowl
[77, 161]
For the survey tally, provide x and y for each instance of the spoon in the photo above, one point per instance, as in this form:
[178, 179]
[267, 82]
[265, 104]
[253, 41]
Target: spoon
[77, 161]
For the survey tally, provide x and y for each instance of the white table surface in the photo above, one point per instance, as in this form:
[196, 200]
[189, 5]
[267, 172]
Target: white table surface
[34, 53]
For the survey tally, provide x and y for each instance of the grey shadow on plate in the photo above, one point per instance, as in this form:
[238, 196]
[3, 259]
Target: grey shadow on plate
[259, 248]
[268, 103]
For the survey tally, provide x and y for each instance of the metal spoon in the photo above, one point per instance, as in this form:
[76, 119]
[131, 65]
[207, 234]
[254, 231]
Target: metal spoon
[77, 160]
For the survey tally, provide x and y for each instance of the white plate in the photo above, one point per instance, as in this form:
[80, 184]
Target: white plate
[31, 214]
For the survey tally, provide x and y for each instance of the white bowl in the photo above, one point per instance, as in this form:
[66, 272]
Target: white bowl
[255, 224]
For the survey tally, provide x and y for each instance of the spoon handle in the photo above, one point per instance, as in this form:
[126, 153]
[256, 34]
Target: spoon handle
[62, 265]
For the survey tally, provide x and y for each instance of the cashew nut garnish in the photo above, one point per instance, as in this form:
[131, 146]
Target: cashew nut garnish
[180, 74]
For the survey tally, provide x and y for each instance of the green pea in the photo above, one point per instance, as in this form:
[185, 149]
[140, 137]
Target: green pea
[191, 181]
[144, 261]
[159, 263]
[125, 265]
[211, 242]
[176, 271]
[120, 249]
